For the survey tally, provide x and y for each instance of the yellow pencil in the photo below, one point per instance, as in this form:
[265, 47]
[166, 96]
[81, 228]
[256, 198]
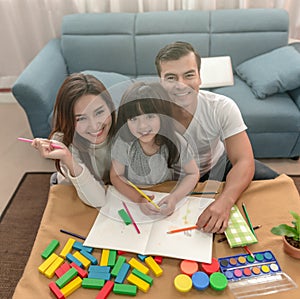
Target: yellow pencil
[143, 194]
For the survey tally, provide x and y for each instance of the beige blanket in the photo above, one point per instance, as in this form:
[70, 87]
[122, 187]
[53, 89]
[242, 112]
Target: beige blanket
[268, 204]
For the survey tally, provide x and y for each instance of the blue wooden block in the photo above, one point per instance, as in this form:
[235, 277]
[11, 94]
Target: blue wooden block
[95, 268]
[79, 246]
[99, 275]
[73, 259]
[89, 257]
[142, 257]
[122, 273]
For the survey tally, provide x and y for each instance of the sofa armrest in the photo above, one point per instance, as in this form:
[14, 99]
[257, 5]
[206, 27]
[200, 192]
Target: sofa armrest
[37, 86]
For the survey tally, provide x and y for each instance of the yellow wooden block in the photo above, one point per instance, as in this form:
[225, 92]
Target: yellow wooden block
[141, 284]
[46, 264]
[85, 262]
[71, 286]
[153, 265]
[138, 265]
[104, 257]
[53, 267]
[67, 248]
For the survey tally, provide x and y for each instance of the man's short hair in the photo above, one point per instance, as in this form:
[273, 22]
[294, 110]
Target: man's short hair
[175, 51]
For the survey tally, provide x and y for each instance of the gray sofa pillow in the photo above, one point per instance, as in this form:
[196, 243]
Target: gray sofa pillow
[274, 72]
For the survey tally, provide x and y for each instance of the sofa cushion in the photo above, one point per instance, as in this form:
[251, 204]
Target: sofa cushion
[274, 72]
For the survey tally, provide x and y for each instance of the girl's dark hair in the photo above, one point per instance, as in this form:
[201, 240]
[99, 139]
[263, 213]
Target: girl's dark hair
[145, 98]
[75, 86]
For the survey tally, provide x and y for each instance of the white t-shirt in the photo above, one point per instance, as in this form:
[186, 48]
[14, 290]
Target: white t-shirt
[216, 118]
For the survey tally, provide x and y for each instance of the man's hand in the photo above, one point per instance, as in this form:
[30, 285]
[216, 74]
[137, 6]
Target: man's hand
[214, 218]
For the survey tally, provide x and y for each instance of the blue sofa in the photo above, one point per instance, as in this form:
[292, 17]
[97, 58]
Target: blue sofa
[122, 46]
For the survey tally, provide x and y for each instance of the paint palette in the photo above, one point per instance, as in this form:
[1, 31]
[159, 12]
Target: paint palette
[245, 266]
[249, 277]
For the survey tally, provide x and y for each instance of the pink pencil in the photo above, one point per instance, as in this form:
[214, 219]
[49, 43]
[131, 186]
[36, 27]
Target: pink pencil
[129, 214]
[30, 141]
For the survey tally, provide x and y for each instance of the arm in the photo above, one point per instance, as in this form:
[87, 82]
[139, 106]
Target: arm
[89, 190]
[215, 217]
[183, 188]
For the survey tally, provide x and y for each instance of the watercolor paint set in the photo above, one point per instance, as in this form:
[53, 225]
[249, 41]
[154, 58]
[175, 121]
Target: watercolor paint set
[246, 266]
[254, 275]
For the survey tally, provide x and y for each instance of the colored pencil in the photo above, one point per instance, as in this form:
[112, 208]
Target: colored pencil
[30, 140]
[178, 230]
[72, 234]
[224, 238]
[143, 194]
[248, 219]
[130, 216]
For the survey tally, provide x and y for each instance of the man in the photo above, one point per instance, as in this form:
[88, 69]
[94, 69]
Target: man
[214, 126]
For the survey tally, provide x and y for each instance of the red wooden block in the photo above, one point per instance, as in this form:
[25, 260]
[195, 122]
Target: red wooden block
[120, 252]
[158, 259]
[81, 272]
[56, 291]
[104, 292]
[62, 269]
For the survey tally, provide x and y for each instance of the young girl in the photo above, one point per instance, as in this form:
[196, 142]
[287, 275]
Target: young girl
[84, 121]
[147, 149]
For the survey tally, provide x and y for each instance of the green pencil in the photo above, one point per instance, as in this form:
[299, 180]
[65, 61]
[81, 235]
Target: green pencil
[248, 219]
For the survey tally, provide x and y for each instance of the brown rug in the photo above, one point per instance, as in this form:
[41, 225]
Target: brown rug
[19, 225]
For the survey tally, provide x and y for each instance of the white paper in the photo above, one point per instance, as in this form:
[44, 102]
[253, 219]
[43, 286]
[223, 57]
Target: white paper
[110, 232]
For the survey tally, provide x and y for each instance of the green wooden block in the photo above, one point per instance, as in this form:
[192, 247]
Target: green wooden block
[117, 267]
[125, 216]
[50, 249]
[68, 276]
[112, 258]
[143, 276]
[125, 289]
[92, 283]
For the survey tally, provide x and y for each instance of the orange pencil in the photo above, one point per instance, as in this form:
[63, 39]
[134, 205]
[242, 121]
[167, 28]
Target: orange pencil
[178, 230]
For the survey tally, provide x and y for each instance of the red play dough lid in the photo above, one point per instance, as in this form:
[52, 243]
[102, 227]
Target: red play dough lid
[189, 267]
[211, 268]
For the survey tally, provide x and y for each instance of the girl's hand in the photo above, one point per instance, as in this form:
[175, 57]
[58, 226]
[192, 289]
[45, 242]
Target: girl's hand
[49, 148]
[147, 208]
[167, 205]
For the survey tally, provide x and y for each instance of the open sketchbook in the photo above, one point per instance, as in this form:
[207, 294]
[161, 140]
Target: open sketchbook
[110, 232]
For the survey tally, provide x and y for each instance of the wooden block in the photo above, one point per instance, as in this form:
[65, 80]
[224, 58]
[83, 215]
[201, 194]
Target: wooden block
[62, 269]
[104, 257]
[92, 283]
[112, 258]
[72, 286]
[67, 277]
[89, 256]
[141, 284]
[79, 246]
[105, 291]
[125, 217]
[122, 273]
[81, 272]
[153, 265]
[143, 276]
[125, 289]
[100, 275]
[117, 267]
[158, 259]
[134, 263]
[46, 264]
[73, 259]
[85, 262]
[50, 271]
[67, 248]
[55, 290]
[95, 268]
[142, 257]
[121, 252]
[50, 249]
